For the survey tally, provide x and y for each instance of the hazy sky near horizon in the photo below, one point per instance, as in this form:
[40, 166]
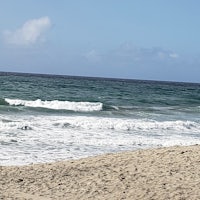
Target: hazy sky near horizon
[135, 39]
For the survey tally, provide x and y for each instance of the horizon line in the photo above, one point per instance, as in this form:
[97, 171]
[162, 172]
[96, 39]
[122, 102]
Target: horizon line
[93, 77]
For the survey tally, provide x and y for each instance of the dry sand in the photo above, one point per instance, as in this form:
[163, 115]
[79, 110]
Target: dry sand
[166, 173]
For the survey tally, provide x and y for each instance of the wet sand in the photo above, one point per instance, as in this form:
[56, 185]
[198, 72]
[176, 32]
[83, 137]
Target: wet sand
[164, 173]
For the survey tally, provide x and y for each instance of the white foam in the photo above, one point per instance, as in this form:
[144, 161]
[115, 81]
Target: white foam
[121, 124]
[58, 105]
[101, 123]
[65, 137]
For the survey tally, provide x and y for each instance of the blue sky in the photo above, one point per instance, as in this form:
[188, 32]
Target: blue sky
[138, 39]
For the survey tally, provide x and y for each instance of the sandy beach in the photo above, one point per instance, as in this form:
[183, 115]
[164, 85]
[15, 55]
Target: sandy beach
[164, 173]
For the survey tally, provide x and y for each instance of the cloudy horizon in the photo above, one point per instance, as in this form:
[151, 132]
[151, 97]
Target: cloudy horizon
[133, 40]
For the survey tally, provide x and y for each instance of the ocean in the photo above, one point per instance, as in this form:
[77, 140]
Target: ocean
[45, 118]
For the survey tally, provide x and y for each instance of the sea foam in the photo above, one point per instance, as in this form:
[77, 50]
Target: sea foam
[24, 137]
[96, 124]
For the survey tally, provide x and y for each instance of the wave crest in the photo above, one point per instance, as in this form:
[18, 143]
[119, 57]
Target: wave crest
[58, 105]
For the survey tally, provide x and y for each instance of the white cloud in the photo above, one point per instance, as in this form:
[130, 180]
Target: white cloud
[162, 55]
[30, 33]
[173, 55]
[129, 52]
[93, 56]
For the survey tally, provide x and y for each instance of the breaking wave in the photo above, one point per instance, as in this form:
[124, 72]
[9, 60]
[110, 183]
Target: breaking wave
[58, 105]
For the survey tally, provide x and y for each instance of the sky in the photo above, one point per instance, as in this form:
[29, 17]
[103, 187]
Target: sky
[134, 39]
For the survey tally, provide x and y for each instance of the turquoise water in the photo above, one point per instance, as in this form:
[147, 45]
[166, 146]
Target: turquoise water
[45, 117]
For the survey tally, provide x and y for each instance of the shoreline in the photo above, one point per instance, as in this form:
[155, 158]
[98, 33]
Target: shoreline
[160, 173]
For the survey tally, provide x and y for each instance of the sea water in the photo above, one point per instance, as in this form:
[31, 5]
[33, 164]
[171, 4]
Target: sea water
[45, 118]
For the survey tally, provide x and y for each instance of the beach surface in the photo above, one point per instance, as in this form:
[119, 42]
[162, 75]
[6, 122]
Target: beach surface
[163, 173]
